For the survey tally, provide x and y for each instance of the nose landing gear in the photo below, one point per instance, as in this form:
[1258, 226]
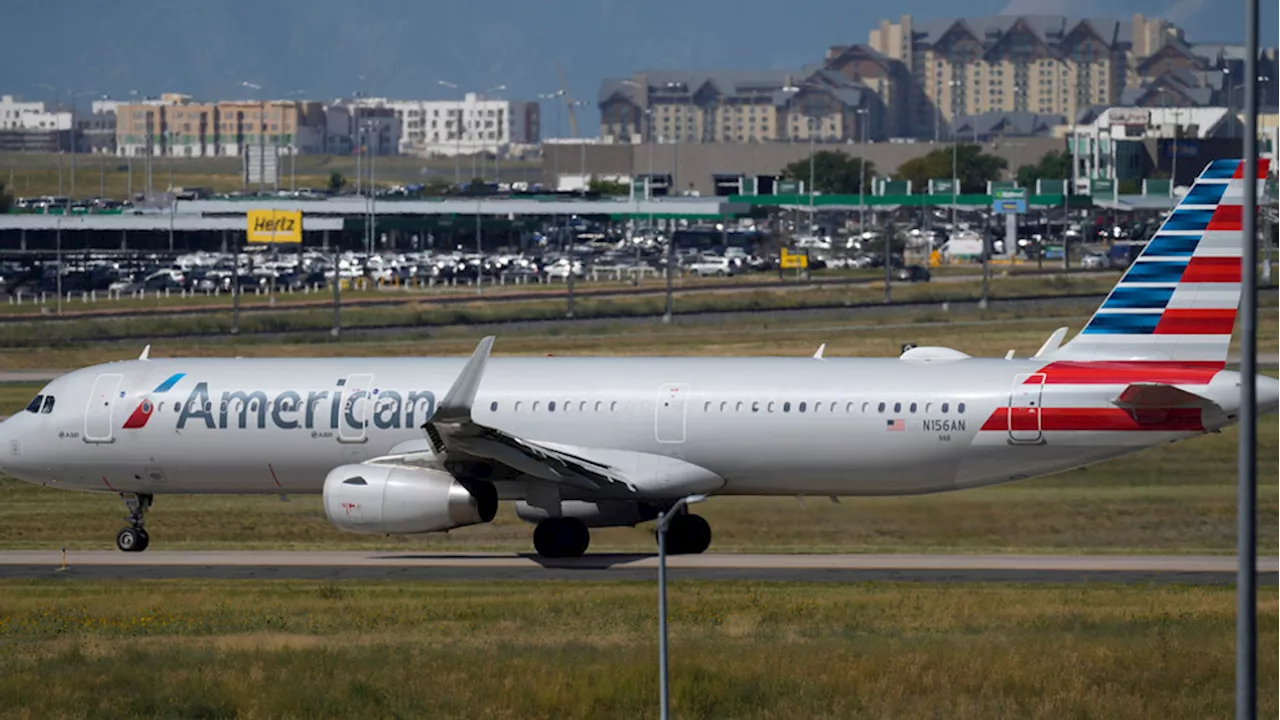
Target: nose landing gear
[134, 538]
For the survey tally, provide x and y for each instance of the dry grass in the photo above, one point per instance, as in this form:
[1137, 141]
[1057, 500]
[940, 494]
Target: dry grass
[587, 650]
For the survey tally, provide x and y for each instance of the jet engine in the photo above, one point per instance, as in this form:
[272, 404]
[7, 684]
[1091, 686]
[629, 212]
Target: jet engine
[388, 499]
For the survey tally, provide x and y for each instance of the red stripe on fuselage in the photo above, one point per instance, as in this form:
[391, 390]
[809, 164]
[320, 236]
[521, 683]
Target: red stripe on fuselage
[1100, 420]
[140, 416]
[1121, 372]
[1197, 322]
[1212, 269]
[1264, 164]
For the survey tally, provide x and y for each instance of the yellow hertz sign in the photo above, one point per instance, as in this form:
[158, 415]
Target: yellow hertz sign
[794, 260]
[275, 226]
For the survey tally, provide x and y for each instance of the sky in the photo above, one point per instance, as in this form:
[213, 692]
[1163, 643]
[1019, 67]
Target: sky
[323, 49]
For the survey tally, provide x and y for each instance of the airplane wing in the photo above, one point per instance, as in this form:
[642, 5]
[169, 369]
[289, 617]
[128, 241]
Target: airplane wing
[455, 436]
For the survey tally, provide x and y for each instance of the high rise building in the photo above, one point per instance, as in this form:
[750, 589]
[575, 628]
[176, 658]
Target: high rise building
[476, 123]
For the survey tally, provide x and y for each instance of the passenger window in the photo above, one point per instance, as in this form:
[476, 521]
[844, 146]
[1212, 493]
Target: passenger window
[866, 406]
[582, 406]
[802, 406]
[613, 406]
[946, 407]
[493, 407]
[707, 407]
[786, 407]
[833, 407]
[913, 407]
[897, 407]
[960, 408]
[518, 403]
[755, 406]
[770, 406]
[848, 408]
[880, 408]
[536, 403]
[723, 406]
[928, 407]
[34, 406]
[599, 406]
[551, 406]
[738, 407]
[48, 405]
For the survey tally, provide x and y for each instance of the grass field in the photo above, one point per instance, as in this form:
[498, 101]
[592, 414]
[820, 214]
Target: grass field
[588, 650]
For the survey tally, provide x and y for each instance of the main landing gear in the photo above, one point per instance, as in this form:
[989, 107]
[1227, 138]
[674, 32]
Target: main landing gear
[568, 537]
[134, 538]
[562, 537]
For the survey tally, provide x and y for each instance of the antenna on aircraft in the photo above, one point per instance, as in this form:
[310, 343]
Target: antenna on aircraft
[821, 348]
[146, 353]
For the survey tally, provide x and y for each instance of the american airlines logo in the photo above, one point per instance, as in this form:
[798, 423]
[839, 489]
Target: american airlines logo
[328, 409]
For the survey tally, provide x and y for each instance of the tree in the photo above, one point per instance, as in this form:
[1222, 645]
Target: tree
[336, 182]
[834, 173]
[1054, 165]
[607, 187]
[974, 168]
[6, 200]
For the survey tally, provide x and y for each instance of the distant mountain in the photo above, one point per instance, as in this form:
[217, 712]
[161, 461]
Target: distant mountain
[401, 48]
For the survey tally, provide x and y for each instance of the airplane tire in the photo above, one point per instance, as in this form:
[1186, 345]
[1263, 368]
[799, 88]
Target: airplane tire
[688, 534]
[146, 540]
[131, 539]
[561, 538]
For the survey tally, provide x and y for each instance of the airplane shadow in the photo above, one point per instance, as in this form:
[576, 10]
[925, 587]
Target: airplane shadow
[599, 561]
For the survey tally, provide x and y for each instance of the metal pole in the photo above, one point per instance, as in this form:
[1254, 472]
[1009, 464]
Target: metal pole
[569, 312]
[888, 270]
[337, 292]
[373, 189]
[262, 143]
[102, 177]
[235, 290]
[129, 181]
[479, 250]
[986, 269]
[58, 245]
[1246, 467]
[73, 145]
[811, 154]
[664, 690]
[671, 261]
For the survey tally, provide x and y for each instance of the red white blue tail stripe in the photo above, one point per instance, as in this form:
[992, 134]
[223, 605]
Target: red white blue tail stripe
[1178, 300]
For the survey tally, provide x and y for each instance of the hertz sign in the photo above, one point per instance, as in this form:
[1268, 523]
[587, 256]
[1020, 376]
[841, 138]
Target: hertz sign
[275, 226]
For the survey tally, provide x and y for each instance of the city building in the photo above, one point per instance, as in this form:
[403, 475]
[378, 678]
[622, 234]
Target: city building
[30, 127]
[96, 131]
[369, 126]
[738, 106]
[176, 125]
[476, 123]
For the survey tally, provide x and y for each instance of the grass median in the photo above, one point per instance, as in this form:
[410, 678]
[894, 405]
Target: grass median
[587, 650]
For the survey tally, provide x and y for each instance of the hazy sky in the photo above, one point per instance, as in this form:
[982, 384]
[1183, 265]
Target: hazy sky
[402, 48]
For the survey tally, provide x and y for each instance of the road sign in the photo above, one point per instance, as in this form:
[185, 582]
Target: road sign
[794, 260]
[1010, 193]
[788, 187]
[1008, 207]
[274, 226]
[942, 186]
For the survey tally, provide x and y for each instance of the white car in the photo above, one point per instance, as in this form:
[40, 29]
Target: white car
[710, 265]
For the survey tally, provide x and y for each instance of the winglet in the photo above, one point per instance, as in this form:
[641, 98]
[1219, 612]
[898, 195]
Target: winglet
[821, 348]
[146, 353]
[1054, 342]
[456, 406]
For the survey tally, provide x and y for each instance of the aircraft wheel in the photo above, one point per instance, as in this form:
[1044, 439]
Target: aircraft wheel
[561, 538]
[145, 537]
[688, 534]
[131, 540]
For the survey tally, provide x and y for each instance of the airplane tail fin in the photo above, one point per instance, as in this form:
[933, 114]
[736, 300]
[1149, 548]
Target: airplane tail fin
[1178, 300]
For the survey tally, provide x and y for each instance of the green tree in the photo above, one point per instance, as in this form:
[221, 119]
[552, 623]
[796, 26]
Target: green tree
[6, 200]
[607, 187]
[834, 173]
[1054, 165]
[336, 182]
[973, 167]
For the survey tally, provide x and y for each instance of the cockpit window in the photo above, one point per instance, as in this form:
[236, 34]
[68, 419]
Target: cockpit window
[48, 404]
[35, 404]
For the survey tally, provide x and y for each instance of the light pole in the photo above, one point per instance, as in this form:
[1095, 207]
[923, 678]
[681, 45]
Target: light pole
[582, 151]
[457, 137]
[664, 519]
[501, 122]
[262, 134]
[555, 160]
[293, 142]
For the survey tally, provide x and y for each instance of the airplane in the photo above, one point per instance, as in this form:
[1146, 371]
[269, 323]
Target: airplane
[419, 445]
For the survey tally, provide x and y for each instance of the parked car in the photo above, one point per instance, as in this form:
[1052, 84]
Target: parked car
[1093, 261]
[913, 273]
[710, 265]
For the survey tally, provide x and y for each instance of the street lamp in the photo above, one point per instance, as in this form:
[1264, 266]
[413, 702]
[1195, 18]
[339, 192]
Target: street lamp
[262, 134]
[664, 519]
[457, 137]
[293, 146]
[500, 123]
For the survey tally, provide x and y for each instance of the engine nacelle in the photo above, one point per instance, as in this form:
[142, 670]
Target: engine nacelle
[388, 499]
[593, 514]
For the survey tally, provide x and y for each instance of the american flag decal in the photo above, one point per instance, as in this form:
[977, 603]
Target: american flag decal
[895, 425]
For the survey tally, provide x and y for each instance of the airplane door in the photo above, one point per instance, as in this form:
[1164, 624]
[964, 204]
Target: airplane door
[357, 409]
[97, 415]
[1024, 408]
[669, 413]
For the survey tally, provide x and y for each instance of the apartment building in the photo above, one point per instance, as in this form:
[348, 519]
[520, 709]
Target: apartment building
[365, 125]
[176, 125]
[737, 106]
[475, 123]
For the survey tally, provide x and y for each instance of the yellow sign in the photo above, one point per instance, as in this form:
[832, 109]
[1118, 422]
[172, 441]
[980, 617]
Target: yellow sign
[794, 260]
[275, 226]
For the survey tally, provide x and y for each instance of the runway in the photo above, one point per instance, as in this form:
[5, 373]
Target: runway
[323, 565]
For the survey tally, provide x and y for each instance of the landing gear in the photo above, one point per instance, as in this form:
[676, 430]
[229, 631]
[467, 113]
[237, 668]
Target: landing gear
[134, 538]
[688, 534]
[561, 538]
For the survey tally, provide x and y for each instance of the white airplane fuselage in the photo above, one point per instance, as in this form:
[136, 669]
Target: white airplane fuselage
[759, 426]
